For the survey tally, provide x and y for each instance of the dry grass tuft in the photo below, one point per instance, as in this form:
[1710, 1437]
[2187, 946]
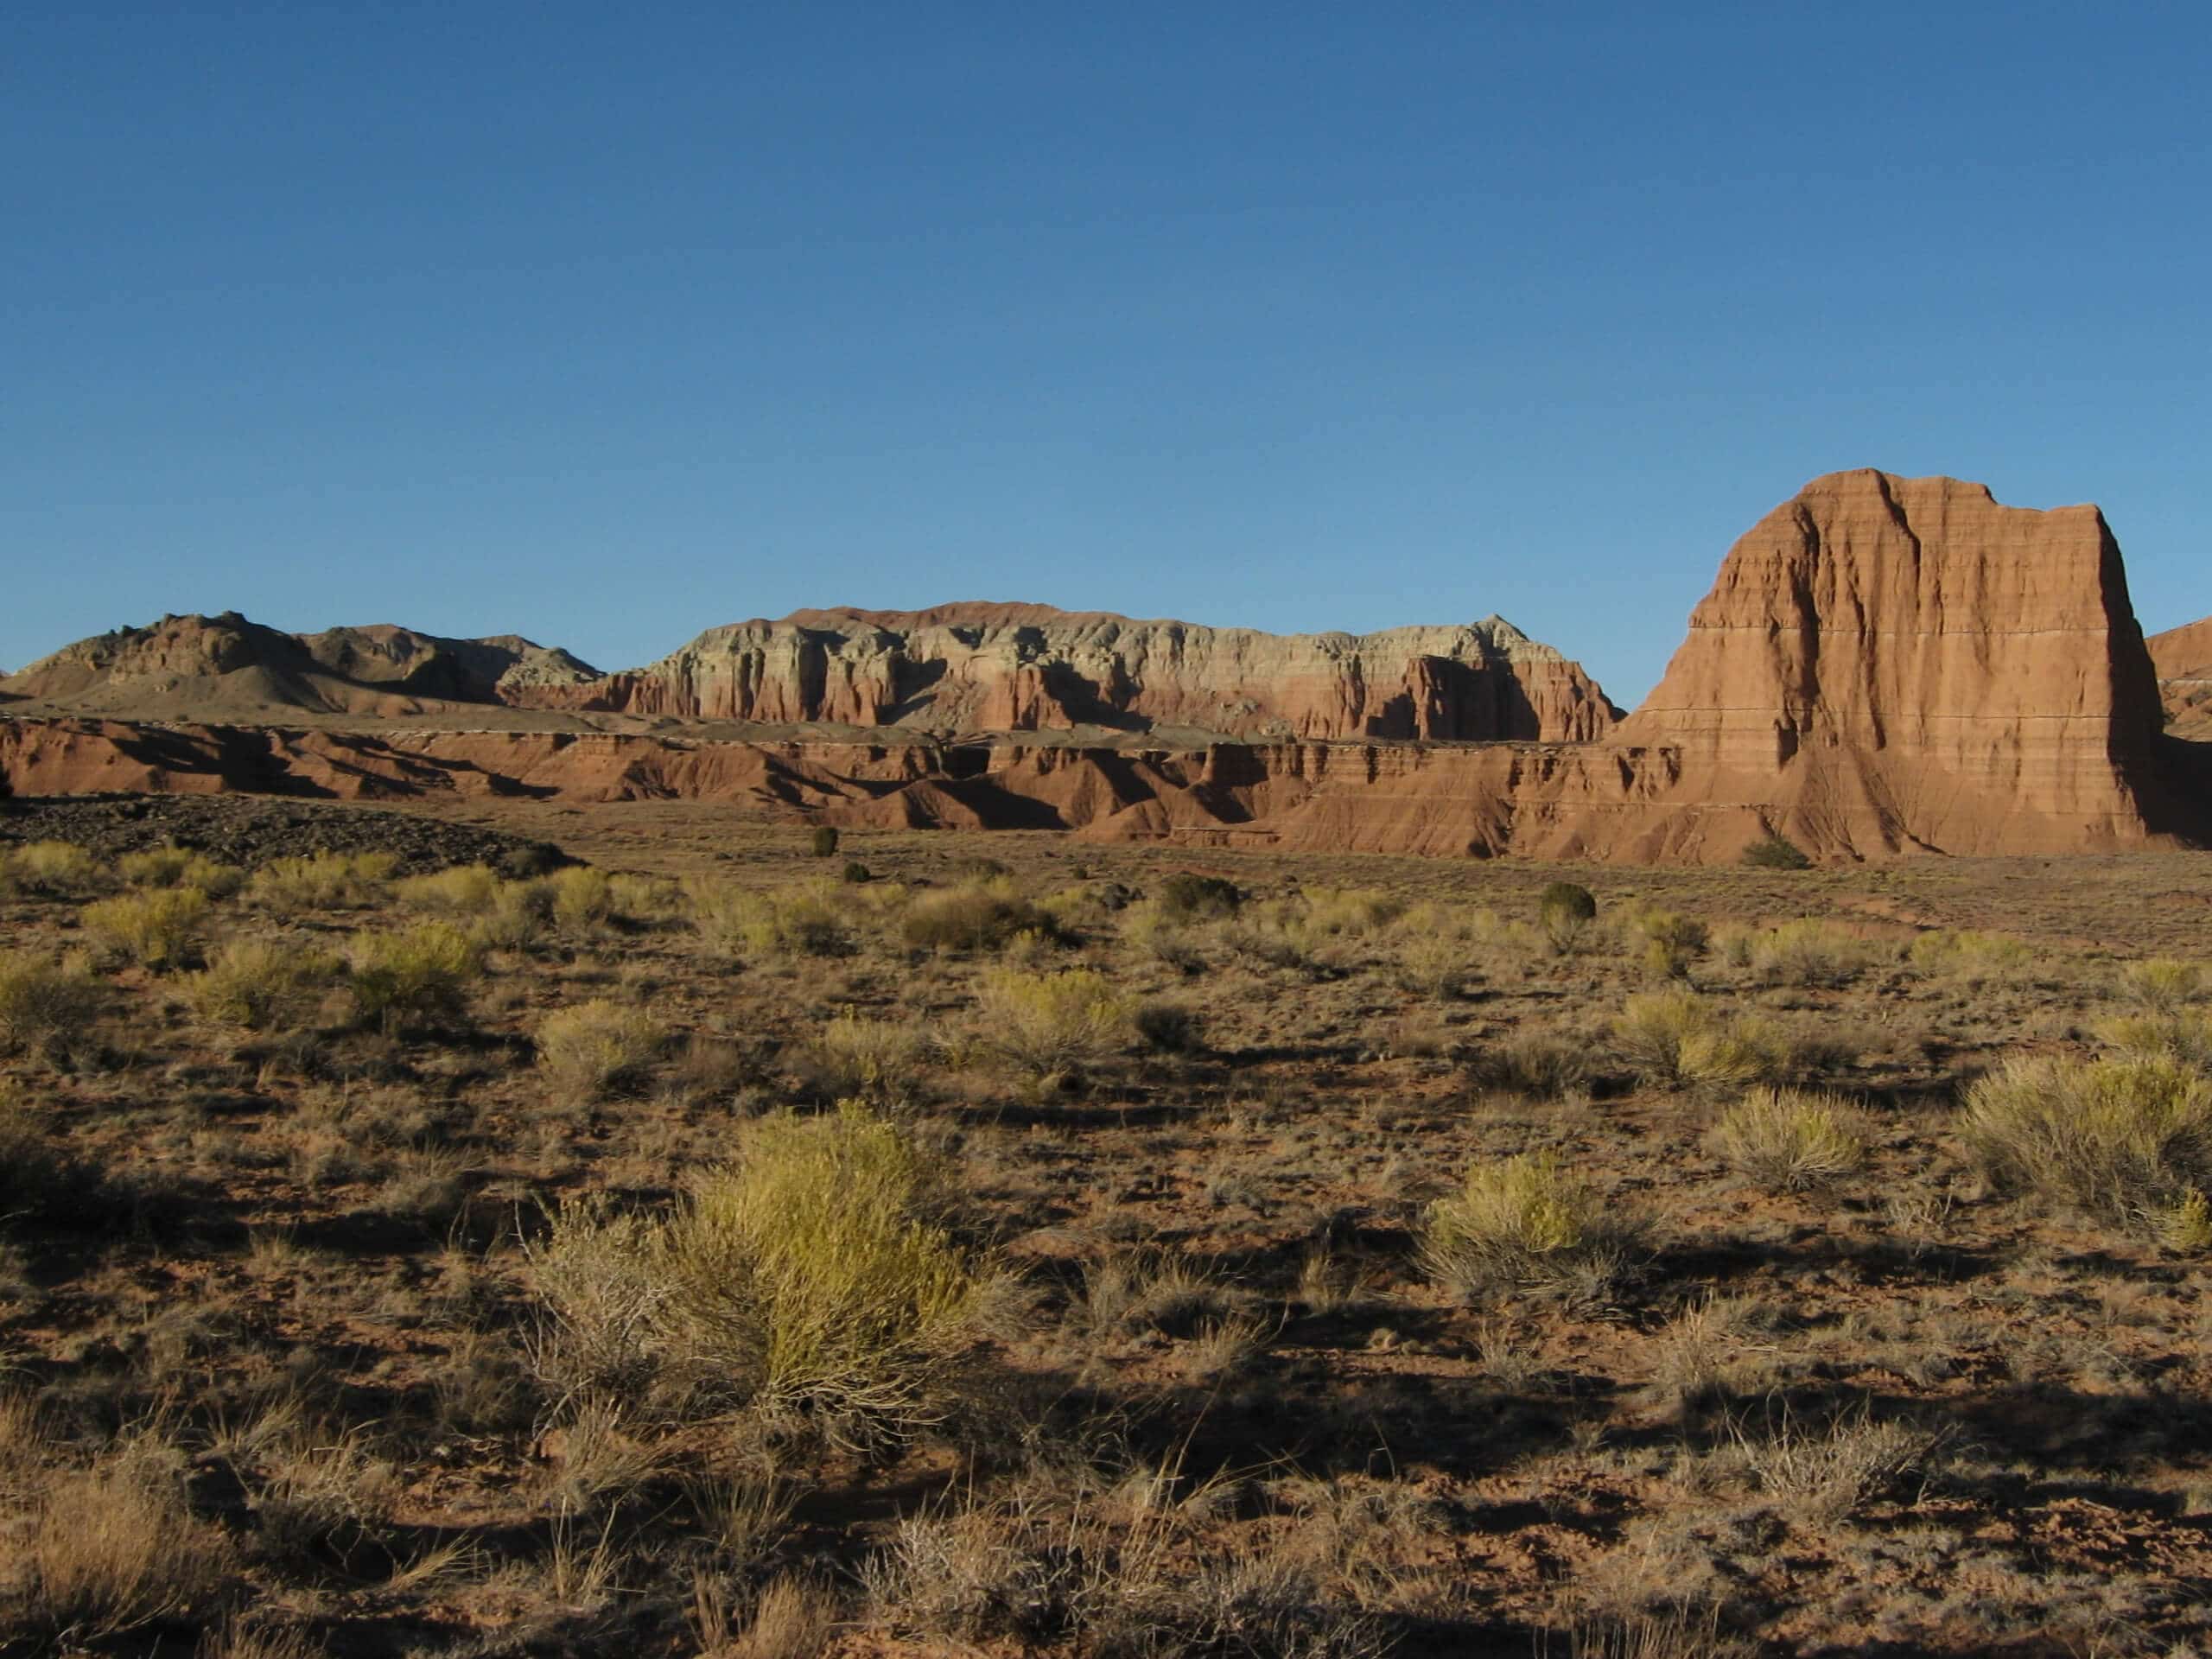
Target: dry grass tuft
[113, 1548]
[54, 869]
[806, 1283]
[178, 866]
[978, 917]
[1809, 952]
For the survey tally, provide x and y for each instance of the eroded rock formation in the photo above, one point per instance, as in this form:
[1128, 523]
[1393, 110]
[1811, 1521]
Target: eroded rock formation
[979, 668]
[2183, 657]
[217, 667]
[1888, 663]
[1884, 666]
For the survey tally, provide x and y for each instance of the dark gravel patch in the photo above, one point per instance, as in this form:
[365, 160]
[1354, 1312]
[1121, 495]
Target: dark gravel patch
[251, 830]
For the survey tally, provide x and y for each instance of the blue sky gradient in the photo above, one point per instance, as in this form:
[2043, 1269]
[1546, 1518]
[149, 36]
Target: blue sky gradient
[605, 325]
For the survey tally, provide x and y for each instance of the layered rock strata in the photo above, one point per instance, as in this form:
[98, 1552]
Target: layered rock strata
[980, 668]
[1884, 666]
[227, 666]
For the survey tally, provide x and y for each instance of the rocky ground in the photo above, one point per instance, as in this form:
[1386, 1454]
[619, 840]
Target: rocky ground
[250, 830]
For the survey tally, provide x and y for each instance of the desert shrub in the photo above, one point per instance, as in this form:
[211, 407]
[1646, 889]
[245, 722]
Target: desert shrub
[321, 881]
[1775, 851]
[179, 867]
[2185, 1035]
[748, 922]
[2162, 984]
[1809, 952]
[1672, 942]
[518, 915]
[44, 1004]
[1186, 896]
[597, 1048]
[1788, 1140]
[1965, 953]
[645, 898]
[970, 918]
[1433, 964]
[855, 873]
[878, 1059]
[157, 928]
[457, 890]
[1148, 927]
[114, 1549]
[823, 843]
[1505, 945]
[1539, 1064]
[1565, 910]
[808, 1281]
[1316, 931]
[58, 869]
[583, 897]
[1528, 1222]
[1676, 1037]
[414, 976]
[1050, 1024]
[2118, 1138]
[40, 1180]
[1170, 1027]
[1348, 912]
[261, 985]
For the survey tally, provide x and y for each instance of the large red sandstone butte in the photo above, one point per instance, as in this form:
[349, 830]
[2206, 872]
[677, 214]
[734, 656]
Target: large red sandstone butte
[1887, 663]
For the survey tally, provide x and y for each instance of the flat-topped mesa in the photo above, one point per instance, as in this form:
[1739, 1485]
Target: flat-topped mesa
[982, 667]
[1886, 661]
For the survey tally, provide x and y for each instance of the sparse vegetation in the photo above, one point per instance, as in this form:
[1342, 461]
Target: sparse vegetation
[54, 869]
[1566, 911]
[971, 917]
[45, 1005]
[178, 866]
[321, 881]
[728, 1271]
[1775, 851]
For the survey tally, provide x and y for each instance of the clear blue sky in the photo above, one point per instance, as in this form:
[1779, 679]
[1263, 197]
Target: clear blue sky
[608, 324]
